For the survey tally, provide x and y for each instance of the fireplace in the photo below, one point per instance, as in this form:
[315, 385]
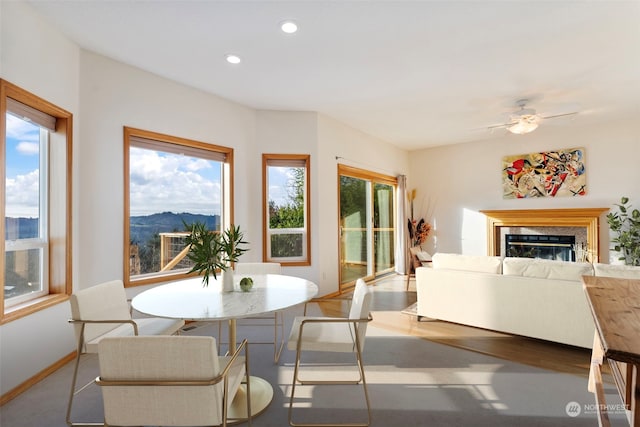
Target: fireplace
[553, 221]
[554, 247]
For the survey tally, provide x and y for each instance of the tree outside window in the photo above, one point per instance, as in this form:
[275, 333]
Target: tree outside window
[286, 180]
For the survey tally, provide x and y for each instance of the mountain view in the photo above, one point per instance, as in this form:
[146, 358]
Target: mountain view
[144, 228]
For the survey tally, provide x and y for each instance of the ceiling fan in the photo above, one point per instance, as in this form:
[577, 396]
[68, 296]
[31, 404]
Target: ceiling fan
[525, 120]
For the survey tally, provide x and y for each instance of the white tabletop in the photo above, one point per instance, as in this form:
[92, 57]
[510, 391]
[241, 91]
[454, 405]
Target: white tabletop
[189, 300]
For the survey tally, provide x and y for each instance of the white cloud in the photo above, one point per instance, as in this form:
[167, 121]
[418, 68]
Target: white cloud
[161, 183]
[22, 196]
[28, 148]
[21, 130]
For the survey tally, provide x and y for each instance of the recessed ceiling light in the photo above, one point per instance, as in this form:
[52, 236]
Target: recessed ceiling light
[233, 59]
[289, 27]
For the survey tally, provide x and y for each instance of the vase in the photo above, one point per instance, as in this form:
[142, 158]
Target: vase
[227, 280]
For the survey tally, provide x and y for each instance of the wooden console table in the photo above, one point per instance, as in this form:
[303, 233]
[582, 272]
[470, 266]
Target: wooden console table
[615, 305]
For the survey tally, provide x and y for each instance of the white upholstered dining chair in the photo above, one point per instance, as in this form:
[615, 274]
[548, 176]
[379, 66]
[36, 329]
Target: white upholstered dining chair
[103, 311]
[275, 319]
[171, 381]
[330, 334]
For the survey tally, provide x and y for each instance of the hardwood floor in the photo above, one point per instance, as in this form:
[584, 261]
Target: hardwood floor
[390, 298]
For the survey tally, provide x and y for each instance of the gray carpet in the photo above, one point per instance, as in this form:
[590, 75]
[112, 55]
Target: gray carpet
[412, 382]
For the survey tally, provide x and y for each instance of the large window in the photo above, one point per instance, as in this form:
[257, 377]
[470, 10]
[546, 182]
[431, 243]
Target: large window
[170, 182]
[36, 146]
[286, 208]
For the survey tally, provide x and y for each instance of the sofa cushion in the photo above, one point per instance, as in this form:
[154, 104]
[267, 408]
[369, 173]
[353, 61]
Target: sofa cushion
[477, 263]
[546, 269]
[617, 270]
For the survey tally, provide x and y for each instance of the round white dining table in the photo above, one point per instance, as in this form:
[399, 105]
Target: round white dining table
[188, 299]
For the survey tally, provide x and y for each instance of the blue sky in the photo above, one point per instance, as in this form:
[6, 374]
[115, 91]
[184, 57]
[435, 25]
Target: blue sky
[22, 180]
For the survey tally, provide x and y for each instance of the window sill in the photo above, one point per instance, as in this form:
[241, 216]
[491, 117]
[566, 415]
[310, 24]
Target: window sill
[283, 263]
[21, 310]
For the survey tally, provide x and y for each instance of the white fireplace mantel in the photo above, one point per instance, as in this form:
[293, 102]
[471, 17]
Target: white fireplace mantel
[578, 217]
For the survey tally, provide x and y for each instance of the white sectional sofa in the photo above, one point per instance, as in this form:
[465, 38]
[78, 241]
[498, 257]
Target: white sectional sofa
[531, 297]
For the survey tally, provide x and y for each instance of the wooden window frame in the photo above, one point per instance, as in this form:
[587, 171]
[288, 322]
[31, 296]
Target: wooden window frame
[60, 251]
[373, 178]
[283, 158]
[191, 146]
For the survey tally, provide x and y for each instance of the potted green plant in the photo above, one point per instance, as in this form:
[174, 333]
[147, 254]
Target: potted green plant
[626, 225]
[231, 239]
[211, 252]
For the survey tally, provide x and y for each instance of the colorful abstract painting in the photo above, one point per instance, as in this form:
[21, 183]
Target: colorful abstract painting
[547, 174]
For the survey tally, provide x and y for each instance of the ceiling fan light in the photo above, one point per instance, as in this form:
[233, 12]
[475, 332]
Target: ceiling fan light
[522, 126]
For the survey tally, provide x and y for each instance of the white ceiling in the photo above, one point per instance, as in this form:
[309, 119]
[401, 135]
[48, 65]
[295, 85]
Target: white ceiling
[414, 73]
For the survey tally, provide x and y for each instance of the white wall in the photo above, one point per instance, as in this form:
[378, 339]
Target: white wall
[37, 58]
[114, 95]
[338, 143]
[460, 180]
[324, 139]
[284, 132]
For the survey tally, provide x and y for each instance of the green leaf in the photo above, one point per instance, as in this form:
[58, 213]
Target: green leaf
[210, 251]
[626, 230]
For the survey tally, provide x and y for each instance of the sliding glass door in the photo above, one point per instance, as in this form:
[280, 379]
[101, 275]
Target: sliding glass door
[367, 224]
